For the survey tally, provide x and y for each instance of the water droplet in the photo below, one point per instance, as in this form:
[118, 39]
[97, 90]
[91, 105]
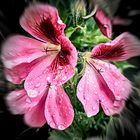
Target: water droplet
[95, 86]
[37, 85]
[32, 93]
[18, 94]
[52, 124]
[48, 78]
[80, 88]
[61, 127]
[116, 104]
[64, 78]
[102, 101]
[44, 72]
[28, 100]
[59, 21]
[60, 68]
[116, 83]
[94, 108]
[118, 97]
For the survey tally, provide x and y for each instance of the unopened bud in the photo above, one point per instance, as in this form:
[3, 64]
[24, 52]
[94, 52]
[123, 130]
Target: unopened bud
[78, 10]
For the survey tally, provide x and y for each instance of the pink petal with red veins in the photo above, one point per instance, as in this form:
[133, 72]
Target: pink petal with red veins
[18, 102]
[68, 50]
[122, 48]
[38, 79]
[117, 83]
[35, 116]
[19, 73]
[58, 109]
[43, 22]
[60, 72]
[103, 22]
[87, 92]
[19, 49]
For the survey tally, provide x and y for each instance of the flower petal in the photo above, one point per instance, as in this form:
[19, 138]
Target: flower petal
[35, 116]
[58, 109]
[87, 92]
[122, 48]
[69, 50]
[38, 79]
[117, 83]
[19, 73]
[103, 22]
[19, 49]
[18, 102]
[42, 21]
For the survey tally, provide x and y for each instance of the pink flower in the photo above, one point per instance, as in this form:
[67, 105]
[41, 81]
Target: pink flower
[45, 63]
[102, 83]
[103, 22]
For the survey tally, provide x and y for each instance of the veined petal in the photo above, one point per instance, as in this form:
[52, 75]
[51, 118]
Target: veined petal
[35, 116]
[68, 50]
[42, 21]
[18, 102]
[122, 48]
[19, 73]
[58, 109]
[19, 49]
[87, 92]
[38, 79]
[103, 22]
[117, 83]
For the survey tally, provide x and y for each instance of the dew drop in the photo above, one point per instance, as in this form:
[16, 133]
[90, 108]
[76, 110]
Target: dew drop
[18, 94]
[80, 88]
[94, 108]
[116, 104]
[64, 78]
[28, 100]
[32, 93]
[48, 78]
[118, 97]
[102, 101]
[61, 127]
[52, 124]
[60, 68]
[40, 76]
[37, 85]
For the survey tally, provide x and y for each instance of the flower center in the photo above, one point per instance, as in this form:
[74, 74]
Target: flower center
[87, 56]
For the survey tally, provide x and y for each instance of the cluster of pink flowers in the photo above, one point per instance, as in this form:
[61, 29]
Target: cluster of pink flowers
[48, 60]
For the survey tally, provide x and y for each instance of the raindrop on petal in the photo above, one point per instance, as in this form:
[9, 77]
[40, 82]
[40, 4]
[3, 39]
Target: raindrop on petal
[61, 127]
[64, 78]
[52, 124]
[94, 108]
[37, 85]
[32, 93]
[48, 78]
[80, 89]
[28, 100]
[118, 97]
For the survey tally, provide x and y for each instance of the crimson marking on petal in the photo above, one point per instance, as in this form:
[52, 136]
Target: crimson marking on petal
[108, 52]
[63, 57]
[46, 27]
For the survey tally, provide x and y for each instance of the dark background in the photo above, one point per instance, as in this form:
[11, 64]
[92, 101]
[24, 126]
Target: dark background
[12, 127]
